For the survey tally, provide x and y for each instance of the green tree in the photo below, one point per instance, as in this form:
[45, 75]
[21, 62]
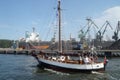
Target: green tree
[6, 43]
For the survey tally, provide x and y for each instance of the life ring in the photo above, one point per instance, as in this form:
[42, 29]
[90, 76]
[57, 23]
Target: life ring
[62, 58]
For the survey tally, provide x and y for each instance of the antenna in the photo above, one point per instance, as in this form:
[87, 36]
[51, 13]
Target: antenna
[33, 29]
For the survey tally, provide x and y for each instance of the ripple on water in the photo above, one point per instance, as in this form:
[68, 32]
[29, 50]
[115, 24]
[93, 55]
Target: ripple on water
[21, 67]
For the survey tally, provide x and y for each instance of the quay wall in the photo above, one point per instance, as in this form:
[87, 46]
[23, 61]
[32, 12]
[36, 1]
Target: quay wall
[15, 51]
[100, 53]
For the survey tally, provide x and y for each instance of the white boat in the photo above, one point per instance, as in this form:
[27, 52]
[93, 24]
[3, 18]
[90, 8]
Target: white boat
[68, 62]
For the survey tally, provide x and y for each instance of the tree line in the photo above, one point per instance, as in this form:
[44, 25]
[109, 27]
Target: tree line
[4, 43]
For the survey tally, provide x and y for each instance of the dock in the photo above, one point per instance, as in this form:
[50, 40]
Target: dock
[15, 51]
[100, 53]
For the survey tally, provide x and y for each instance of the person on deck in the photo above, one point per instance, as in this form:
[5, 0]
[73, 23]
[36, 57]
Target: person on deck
[86, 60]
[81, 60]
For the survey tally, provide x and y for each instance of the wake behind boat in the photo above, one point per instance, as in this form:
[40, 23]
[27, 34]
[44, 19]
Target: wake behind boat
[80, 61]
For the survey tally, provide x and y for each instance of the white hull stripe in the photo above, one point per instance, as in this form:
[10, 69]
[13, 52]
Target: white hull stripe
[74, 66]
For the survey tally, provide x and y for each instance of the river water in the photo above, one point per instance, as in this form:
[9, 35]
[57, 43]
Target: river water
[23, 67]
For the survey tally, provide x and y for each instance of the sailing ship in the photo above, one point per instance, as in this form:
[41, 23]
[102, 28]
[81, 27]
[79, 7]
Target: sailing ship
[82, 61]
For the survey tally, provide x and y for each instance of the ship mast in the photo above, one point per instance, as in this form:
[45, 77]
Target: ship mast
[59, 25]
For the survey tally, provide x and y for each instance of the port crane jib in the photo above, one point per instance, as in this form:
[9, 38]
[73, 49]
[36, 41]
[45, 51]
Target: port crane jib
[100, 34]
[115, 36]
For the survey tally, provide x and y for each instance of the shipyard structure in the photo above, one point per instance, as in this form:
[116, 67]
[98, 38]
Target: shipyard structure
[32, 39]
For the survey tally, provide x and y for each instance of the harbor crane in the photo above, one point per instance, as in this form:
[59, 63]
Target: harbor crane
[83, 34]
[100, 34]
[115, 36]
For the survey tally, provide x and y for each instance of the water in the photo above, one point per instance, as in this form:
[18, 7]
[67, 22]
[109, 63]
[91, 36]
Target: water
[22, 67]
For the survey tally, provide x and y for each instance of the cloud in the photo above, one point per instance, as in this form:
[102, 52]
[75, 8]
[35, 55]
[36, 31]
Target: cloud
[112, 15]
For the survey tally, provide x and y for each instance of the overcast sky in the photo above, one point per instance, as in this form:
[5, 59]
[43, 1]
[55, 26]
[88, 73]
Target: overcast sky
[18, 16]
